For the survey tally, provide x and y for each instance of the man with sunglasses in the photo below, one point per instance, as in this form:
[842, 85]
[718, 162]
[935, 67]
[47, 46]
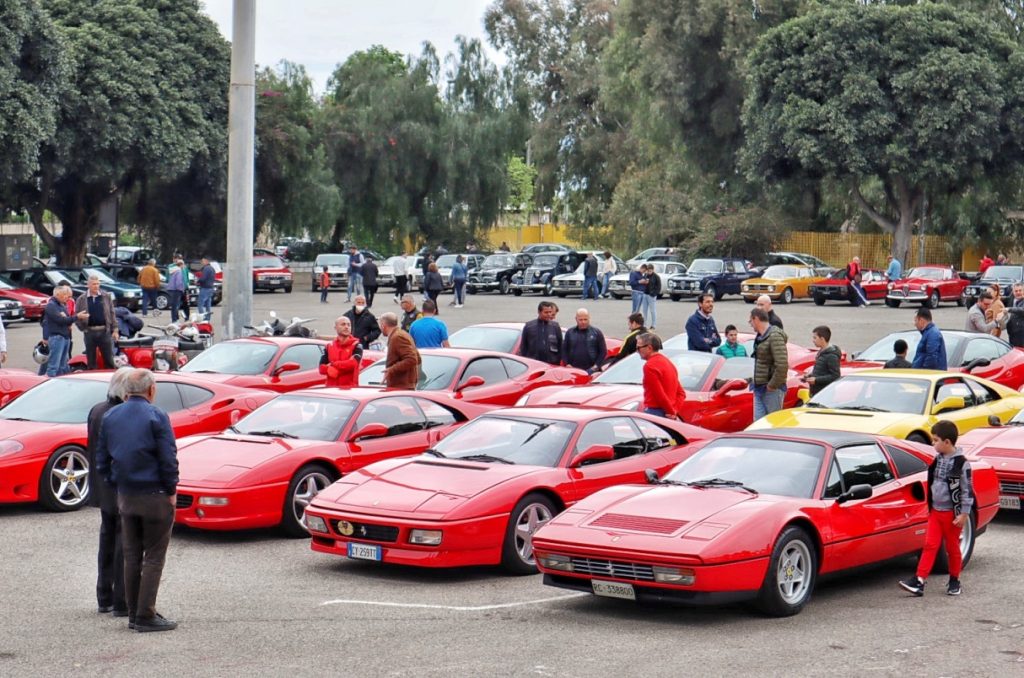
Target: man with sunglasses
[663, 394]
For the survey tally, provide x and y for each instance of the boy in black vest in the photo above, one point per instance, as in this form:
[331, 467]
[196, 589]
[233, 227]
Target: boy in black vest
[950, 498]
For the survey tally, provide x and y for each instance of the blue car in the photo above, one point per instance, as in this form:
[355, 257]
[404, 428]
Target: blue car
[125, 294]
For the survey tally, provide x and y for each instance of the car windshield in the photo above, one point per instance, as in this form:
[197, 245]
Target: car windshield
[57, 401]
[99, 273]
[1003, 273]
[499, 261]
[297, 416]
[874, 394]
[446, 260]
[488, 338]
[545, 260]
[436, 373]
[520, 440]
[6, 284]
[233, 357]
[56, 276]
[813, 261]
[266, 261]
[391, 261]
[692, 367]
[780, 272]
[781, 467]
[331, 260]
[881, 351]
[926, 273]
[705, 266]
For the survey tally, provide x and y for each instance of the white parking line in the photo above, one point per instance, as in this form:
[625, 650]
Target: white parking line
[456, 608]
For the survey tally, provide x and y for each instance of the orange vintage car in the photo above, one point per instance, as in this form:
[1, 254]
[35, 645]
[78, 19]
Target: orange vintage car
[783, 283]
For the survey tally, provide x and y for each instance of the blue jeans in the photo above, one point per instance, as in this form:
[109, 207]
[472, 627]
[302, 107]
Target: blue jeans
[205, 305]
[766, 402]
[323, 294]
[355, 284]
[588, 282]
[649, 308]
[638, 298]
[459, 290]
[605, 282]
[655, 411]
[174, 301]
[149, 299]
[58, 362]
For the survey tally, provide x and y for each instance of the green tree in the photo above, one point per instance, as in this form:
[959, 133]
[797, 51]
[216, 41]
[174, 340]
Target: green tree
[917, 98]
[520, 185]
[146, 102]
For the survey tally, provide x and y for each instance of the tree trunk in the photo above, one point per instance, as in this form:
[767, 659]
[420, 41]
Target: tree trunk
[903, 200]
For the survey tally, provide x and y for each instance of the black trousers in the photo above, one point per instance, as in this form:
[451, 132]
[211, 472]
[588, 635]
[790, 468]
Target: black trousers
[369, 291]
[401, 285]
[110, 562]
[146, 522]
[99, 340]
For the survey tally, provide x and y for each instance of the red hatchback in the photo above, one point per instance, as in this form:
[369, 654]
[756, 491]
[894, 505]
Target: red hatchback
[270, 273]
[32, 302]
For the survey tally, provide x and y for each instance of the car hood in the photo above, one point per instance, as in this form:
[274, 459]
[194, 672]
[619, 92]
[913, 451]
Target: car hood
[694, 276]
[25, 296]
[770, 281]
[216, 460]
[20, 430]
[616, 396]
[663, 510]
[421, 485]
[884, 423]
[918, 281]
[1006, 442]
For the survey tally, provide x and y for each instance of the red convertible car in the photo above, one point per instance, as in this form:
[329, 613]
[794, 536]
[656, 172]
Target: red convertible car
[264, 470]
[43, 432]
[718, 395]
[14, 382]
[1003, 448]
[928, 286]
[982, 355]
[836, 287]
[484, 377]
[479, 495]
[755, 517]
[31, 301]
[504, 337]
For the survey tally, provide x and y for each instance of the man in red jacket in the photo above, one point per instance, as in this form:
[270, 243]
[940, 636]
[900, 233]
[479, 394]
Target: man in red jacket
[340, 362]
[663, 394]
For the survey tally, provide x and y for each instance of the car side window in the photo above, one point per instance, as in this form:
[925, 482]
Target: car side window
[834, 484]
[619, 432]
[863, 464]
[982, 393]
[514, 367]
[306, 355]
[168, 398]
[436, 415]
[192, 396]
[984, 347]
[490, 369]
[400, 415]
[906, 464]
[655, 437]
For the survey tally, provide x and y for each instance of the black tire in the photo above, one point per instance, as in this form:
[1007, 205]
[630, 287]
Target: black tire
[503, 286]
[288, 290]
[969, 301]
[548, 289]
[893, 303]
[750, 300]
[919, 438]
[302, 484]
[676, 297]
[933, 300]
[968, 536]
[787, 296]
[517, 548]
[471, 290]
[162, 302]
[314, 285]
[517, 293]
[795, 558]
[960, 301]
[712, 289]
[819, 300]
[77, 367]
[619, 296]
[54, 494]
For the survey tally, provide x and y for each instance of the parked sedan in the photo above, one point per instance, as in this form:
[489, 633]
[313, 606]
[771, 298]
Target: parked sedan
[755, 518]
[572, 283]
[32, 302]
[125, 294]
[619, 283]
[928, 286]
[480, 494]
[265, 470]
[1004, 276]
[837, 288]
[782, 283]
[43, 436]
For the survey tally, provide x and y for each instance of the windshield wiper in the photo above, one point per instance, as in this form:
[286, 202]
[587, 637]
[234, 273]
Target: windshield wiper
[432, 451]
[722, 482]
[813, 404]
[275, 433]
[487, 457]
[534, 434]
[666, 481]
[861, 408]
[17, 419]
[233, 429]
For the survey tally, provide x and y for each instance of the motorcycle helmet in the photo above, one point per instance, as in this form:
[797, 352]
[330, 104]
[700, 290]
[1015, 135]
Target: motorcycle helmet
[190, 333]
[121, 360]
[41, 353]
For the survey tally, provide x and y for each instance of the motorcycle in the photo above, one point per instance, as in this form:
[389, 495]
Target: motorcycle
[166, 352]
[275, 327]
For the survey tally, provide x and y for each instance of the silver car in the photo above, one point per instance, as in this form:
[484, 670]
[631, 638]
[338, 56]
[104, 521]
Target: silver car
[619, 284]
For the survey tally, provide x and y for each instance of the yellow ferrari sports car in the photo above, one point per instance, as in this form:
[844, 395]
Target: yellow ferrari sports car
[900, 403]
[783, 283]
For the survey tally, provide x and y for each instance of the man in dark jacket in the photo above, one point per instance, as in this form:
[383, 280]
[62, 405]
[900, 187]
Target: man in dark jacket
[771, 365]
[826, 363]
[899, 359]
[98, 322]
[584, 346]
[701, 331]
[931, 350]
[590, 276]
[136, 454]
[369, 281]
[207, 281]
[649, 302]
[1015, 317]
[364, 323]
[110, 560]
[636, 290]
[57, 322]
[542, 338]
[764, 302]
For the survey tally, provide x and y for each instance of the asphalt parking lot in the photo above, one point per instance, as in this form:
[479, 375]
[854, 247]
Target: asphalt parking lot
[254, 602]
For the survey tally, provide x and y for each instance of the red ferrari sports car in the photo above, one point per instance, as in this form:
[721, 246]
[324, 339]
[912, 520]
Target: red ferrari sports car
[33, 302]
[504, 337]
[14, 382]
[928, 286]
[1003, 448]
[982, 355]
[43, 432]
[264, 470]
[836, 288]
[279, 364]
[755, 517]
[485, 377]
[478, 496]
[800, 357]
[718, 395]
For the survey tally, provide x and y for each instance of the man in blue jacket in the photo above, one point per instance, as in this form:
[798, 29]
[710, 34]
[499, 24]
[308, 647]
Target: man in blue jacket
[136, 454]
[931, 350]
[636, 289]
[701, 332]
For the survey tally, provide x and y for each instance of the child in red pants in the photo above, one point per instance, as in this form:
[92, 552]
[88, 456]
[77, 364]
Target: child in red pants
[950, 498]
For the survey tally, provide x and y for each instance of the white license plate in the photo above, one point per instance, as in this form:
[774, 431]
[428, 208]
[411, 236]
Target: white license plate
[364, 551]
[613, 589]
[1009, 502]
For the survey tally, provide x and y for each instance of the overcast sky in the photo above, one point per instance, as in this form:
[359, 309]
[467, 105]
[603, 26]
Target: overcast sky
[319, 34]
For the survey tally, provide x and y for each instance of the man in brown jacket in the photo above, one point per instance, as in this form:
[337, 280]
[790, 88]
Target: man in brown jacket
[96, 320]
[149, 281]
[403, 361]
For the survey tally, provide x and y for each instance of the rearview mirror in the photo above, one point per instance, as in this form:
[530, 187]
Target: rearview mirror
[652, 476]
[977, 362]
[803, 395]
[994, 420]
[592, 455]
[369, 431]
[286, 367]
[855, 492]
[730, 386]
[949, 404]
[475, 380]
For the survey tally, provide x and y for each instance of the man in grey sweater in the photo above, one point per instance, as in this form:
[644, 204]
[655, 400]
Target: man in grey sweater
[976, 321]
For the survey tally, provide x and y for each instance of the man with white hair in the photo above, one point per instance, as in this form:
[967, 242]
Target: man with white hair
[57, 322]
[583, 346]
[764, 302]
[98, 322]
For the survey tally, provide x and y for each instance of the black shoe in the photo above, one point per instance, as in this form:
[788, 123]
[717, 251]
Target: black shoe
[914, 585]
[104, 609]
[953, 587]
[156, 623]
[131, 621]
[118, 613]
